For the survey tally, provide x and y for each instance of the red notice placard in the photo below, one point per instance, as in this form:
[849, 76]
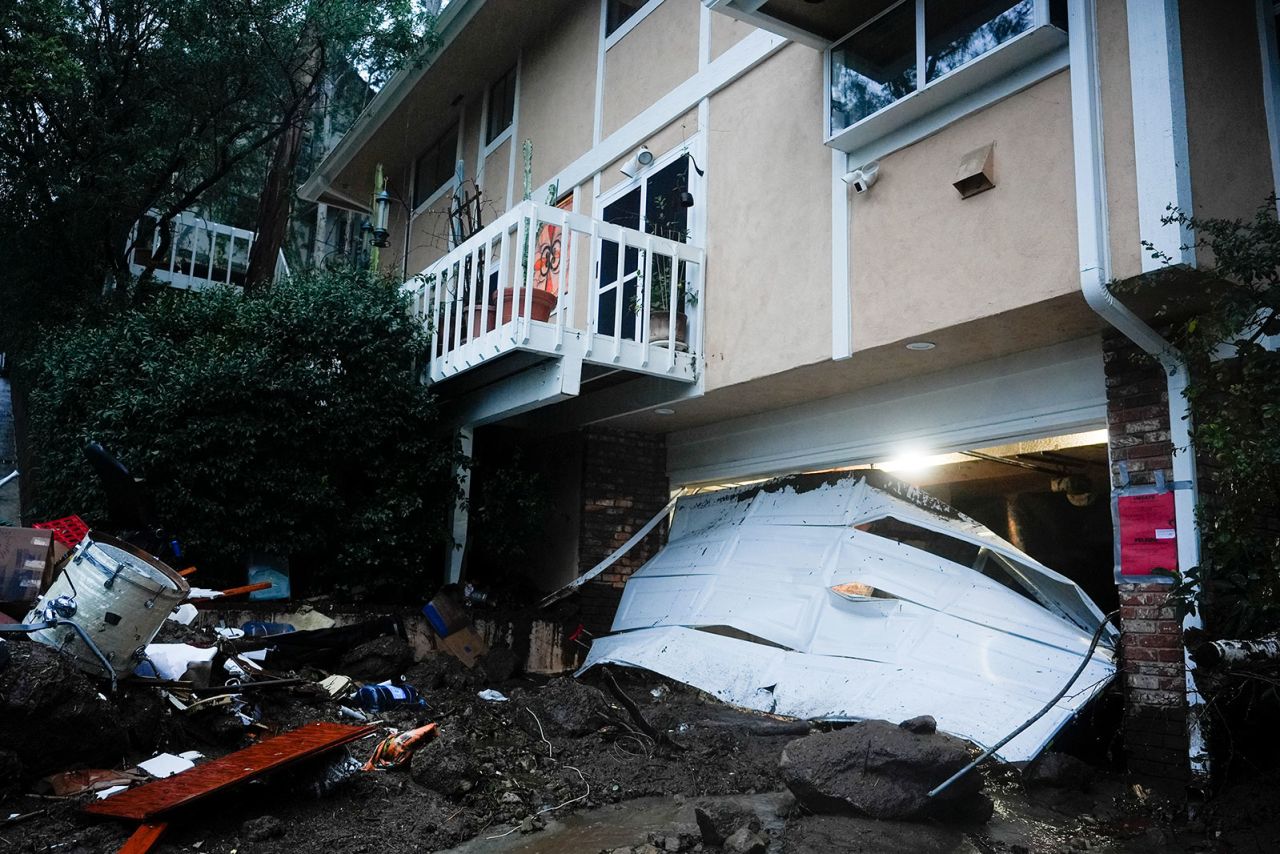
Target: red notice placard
[1148, 533]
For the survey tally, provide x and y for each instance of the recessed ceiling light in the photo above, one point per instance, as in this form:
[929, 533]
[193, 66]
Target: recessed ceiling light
[664, 411]
[921, 345]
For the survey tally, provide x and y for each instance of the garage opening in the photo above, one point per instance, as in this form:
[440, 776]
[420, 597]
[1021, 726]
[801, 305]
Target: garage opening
[1049, 497]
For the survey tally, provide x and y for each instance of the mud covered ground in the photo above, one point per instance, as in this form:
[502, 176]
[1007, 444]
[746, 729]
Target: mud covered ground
[561, 766]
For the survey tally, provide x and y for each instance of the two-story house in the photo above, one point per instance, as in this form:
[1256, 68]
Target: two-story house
[677, 244]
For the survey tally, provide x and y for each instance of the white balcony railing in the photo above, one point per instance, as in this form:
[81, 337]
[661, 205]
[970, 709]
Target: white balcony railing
[544, 280]
[201, 253]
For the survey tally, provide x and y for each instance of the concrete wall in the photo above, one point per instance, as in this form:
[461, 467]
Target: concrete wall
[923, 258]
[1117, 139]
[768, 300]
[557, 95]
[1226, 122]
[658, 54]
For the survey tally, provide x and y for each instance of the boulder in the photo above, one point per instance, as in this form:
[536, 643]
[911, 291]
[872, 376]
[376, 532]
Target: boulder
[564, 707]
[884, 771]
[745, 841]
[500, 664]
[382, 658]
[1058, 771]
[717, 820]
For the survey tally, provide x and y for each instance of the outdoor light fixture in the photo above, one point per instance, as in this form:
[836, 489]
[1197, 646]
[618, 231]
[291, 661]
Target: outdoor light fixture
[381, 213]
[664, 411]
[921, 346]
[642, 158]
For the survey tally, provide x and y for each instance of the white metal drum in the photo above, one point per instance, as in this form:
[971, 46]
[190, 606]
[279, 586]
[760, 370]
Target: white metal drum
[122, 596]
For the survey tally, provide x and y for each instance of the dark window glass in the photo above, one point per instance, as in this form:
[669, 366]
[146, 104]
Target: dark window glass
[956, 33]
[939, 545]
[619, 12]
[435, 166]
[874, 67]
[502, 105]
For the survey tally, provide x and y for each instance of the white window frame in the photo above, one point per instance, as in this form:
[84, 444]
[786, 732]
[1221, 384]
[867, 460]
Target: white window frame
[450, 184]
[697, 188]
[1048, 55]
[628, 25]
[487, 148]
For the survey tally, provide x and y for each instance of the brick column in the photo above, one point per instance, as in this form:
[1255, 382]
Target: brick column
[1154, 673]
[624, 483]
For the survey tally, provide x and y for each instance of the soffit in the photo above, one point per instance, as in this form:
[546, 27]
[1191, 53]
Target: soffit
[402, 122]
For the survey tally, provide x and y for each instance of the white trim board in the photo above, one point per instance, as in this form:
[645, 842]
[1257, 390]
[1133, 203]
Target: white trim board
[1050, 391]
[1162, 159]
[630, 23]
[731, 65]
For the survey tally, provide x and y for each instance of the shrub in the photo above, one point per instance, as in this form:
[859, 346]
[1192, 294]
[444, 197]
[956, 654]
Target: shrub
[289, 421]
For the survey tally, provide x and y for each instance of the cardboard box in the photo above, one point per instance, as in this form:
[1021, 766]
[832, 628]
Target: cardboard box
[465, 644]
[26, 563]
[446, 615]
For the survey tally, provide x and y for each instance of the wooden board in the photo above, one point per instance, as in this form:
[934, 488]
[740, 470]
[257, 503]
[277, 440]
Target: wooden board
[160, 796]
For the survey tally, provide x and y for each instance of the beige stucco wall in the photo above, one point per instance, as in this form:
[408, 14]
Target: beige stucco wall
[557, 93]
[1117, 139]
[768, 293]
[924, 258]
[1226, 120]
[726, 32]
[657, 55]
[493, 184]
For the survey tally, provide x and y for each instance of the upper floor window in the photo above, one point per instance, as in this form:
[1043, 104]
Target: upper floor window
[502, 106]
[618, 12]
[911, 44]
[435, 166]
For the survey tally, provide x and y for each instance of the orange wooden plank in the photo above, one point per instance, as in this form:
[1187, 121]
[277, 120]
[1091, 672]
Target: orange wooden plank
[144, 838]
[160, 796]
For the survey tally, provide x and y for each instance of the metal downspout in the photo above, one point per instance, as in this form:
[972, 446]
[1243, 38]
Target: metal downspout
[1095, 273]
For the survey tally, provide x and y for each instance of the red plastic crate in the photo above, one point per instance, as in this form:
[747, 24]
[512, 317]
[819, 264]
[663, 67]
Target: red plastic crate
[69, 530]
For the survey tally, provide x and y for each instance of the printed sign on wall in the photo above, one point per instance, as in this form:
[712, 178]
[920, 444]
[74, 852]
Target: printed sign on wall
[1148, 533]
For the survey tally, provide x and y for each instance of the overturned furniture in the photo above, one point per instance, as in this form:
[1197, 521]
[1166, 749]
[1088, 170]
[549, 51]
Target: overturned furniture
[855, 596]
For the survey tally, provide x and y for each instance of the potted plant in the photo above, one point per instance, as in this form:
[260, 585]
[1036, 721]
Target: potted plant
[661, 311]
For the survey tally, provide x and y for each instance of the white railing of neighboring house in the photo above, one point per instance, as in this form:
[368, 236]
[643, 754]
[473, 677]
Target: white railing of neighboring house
[201, 253]
[473, 324]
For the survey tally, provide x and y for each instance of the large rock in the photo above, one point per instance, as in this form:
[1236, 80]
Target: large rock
[1059, 771]
[382, 658]
[564, 706]
[885, 771]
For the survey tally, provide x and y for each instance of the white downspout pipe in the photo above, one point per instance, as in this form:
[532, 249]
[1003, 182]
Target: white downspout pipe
[1095, 273]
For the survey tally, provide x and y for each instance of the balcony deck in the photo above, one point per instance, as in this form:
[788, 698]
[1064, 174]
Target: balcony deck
[563, 288]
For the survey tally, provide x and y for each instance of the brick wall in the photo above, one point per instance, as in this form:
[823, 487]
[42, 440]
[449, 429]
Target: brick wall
[1150, 634]
[624, 483]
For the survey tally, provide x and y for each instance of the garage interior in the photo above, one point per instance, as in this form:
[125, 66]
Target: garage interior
[1048, 497]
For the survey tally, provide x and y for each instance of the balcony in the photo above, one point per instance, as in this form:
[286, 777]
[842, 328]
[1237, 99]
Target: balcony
[201, 253]
[543, 285]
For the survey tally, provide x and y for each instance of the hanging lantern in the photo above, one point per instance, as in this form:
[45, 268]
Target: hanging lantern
[381, 213]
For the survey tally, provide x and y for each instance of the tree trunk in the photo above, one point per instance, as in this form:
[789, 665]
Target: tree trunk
[1233, 653]
[277, 195]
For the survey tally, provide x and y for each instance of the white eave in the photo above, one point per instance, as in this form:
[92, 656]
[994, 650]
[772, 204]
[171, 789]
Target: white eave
[452, 21]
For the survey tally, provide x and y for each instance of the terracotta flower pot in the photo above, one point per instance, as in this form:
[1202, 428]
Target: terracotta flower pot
[543, 304]
[660, 329]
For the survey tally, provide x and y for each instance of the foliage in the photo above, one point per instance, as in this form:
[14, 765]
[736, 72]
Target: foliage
[288, 421]
[110, 108]
[1222, 328]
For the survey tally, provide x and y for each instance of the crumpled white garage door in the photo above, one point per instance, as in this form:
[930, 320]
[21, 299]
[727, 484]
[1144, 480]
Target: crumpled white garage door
[833, 598]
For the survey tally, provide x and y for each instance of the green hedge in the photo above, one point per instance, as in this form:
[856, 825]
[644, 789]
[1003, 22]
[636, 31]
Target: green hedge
[290, 421]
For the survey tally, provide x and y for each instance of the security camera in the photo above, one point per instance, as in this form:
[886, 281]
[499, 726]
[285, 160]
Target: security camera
[862, 179]
[644, 156]
[630, 168]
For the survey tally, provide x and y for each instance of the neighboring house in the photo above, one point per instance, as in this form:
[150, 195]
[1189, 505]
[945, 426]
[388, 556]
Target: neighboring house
[888, 226]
